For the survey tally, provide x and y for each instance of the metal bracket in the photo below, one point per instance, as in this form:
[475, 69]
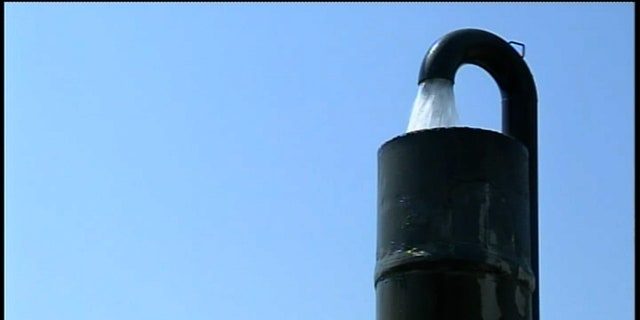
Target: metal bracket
[518, 44]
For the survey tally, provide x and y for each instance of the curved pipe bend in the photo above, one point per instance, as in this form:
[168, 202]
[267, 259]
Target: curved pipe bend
[502, 62]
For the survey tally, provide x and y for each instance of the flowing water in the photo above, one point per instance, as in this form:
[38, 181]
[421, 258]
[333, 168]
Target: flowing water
[434, 106]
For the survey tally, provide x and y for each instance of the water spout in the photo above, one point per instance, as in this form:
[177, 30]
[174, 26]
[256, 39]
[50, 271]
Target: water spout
[503, 63]
[434, 106]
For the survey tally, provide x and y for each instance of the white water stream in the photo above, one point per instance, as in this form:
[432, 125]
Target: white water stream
[434, 106]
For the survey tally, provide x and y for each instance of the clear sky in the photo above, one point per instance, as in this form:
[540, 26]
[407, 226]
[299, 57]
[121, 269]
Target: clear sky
[219, 161]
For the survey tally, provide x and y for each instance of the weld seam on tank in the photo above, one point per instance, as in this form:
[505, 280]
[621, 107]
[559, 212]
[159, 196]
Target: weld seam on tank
[393, 266]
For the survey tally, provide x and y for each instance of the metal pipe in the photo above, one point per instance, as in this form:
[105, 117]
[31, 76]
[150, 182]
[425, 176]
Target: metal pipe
[458, 207]
[519, 101]
[506, 66]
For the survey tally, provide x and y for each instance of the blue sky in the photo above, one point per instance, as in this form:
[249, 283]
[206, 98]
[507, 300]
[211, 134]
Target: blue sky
[218, 161]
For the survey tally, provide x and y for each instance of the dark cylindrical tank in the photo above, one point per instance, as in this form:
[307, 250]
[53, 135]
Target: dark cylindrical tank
[458, 207]
[453, 227]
